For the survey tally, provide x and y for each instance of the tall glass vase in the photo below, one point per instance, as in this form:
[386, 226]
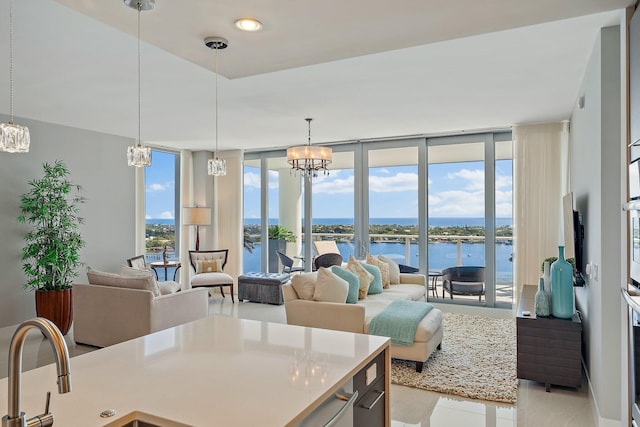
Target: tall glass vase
[561, 287]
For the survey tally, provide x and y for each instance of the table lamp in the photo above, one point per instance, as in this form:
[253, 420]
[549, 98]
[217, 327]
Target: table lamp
[196, 216]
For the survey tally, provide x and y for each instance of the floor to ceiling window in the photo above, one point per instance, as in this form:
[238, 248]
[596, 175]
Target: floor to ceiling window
[333, 204]
[252, 216]
[161, 201]
[388, 197]
[393, 204]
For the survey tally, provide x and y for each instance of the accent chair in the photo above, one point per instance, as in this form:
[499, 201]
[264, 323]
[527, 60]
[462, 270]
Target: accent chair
[209, 266]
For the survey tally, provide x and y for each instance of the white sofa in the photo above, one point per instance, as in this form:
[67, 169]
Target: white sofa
[120, 308]
[356, 317]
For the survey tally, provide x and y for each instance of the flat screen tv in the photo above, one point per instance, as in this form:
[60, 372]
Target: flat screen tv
[573, 237]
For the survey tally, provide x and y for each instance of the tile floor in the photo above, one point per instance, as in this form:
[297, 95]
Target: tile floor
[409, 407]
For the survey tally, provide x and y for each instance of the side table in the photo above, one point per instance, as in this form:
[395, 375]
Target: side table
[549, 349]
[167, 266]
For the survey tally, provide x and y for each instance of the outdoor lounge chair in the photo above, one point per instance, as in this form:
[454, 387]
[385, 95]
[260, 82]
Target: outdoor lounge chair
[464, 280]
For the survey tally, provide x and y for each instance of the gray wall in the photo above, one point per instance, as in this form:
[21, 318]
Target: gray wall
[596, 172]
[98, 163]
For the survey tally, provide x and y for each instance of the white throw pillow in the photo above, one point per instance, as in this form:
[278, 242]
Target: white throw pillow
[130, 271]
[394, 269]
[330, 287]
[305, 285]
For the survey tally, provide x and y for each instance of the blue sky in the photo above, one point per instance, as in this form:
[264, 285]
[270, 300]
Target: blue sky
[160, 186]
[455, 190]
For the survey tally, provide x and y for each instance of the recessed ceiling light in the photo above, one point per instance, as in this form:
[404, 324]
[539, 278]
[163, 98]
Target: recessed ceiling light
[248, 24]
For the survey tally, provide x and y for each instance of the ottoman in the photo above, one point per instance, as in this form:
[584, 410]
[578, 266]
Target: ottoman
[262, 287]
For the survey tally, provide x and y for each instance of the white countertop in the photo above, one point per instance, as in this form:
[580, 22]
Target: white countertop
[215, 371]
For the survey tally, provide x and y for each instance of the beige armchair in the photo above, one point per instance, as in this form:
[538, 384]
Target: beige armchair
[208, 266]
[114, 308]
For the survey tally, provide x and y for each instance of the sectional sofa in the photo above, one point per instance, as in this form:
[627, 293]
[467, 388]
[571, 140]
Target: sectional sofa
[356, 317]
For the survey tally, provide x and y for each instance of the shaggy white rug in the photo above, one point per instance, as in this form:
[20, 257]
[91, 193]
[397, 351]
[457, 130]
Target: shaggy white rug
[477, 360]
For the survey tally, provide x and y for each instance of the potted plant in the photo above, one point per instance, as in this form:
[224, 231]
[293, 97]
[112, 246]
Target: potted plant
[278, 238]
[51, 252]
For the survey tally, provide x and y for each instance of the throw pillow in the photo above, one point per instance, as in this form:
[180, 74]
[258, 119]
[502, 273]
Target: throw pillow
[330, 287]
[144, 281]
[376, 284]
[304, 284]
[208, 265]
[394, 269]
[363, 275]
[352, 280]
[384, 269]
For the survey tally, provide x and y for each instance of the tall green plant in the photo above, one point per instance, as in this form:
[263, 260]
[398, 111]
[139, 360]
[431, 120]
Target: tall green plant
[50, 256]
[280, 233]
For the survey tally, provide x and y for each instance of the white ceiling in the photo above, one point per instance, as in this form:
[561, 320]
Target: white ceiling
[362, 68]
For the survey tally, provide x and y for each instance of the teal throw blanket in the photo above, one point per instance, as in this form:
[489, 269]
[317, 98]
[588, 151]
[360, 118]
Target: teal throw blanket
[399, 321]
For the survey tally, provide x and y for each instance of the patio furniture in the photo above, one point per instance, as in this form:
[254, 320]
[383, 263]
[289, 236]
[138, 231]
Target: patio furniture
[465, 280]
[287, 263]
[325, 247]
[327, 260]
[208, 266]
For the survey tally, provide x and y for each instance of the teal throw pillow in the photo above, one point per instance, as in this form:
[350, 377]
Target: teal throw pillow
[376, 286]
[352, 280]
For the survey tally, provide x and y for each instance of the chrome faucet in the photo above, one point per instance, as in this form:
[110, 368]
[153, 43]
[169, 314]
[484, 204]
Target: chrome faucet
[15, 418]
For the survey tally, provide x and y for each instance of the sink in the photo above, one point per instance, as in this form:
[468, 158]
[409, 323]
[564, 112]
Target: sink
[142, 419]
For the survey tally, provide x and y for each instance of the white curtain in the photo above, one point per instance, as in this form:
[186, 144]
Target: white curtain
[187, 238]
[541, 178]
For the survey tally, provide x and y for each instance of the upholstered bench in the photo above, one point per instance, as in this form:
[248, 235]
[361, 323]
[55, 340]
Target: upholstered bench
[262, 287]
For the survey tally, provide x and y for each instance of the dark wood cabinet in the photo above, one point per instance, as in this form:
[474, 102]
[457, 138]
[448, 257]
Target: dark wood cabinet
[549, 349]
[370, 408]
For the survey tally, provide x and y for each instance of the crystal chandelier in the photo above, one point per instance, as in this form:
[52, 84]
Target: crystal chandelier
[138, 155]
[13, 138]
[309, 159]
[216, 166]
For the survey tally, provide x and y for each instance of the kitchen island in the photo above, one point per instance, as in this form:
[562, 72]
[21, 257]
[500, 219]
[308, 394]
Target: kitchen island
[217, 371]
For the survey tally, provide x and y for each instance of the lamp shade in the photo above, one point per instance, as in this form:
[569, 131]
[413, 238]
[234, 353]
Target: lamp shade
[196, 216]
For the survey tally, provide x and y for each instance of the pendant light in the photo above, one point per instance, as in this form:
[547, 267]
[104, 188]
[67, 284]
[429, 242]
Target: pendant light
[13, 138]
[309, 159]
[216, 166]
[138, 155]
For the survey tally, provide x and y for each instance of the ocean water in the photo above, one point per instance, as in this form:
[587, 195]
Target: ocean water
[441, 255]
[433, 222]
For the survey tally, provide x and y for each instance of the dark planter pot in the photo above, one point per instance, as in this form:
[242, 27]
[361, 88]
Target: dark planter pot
[56, 306]
[275, 245]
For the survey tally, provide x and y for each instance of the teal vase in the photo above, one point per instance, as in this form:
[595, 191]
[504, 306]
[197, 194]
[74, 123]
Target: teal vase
[542, 301]
[561, 287]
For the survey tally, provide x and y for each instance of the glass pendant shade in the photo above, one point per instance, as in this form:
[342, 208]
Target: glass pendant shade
[14, 138]
[217, 167]
[139, 156]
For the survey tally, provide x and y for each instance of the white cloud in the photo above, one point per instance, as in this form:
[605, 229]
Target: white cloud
[503, 181]
[273, 180]
[399, 182]
[156, 186]
[333, 185]
[457, 204]
[147, 217]
[166, 215]
[475, 178]
[251, 179]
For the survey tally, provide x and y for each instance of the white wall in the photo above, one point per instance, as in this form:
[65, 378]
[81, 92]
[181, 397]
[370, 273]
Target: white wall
[98, 163]
[596, 168]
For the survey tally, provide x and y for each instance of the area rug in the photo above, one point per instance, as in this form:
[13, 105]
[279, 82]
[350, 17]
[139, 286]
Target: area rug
[477, 360]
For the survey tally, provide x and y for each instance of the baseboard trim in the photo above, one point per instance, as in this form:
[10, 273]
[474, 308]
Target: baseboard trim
[600, 421]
